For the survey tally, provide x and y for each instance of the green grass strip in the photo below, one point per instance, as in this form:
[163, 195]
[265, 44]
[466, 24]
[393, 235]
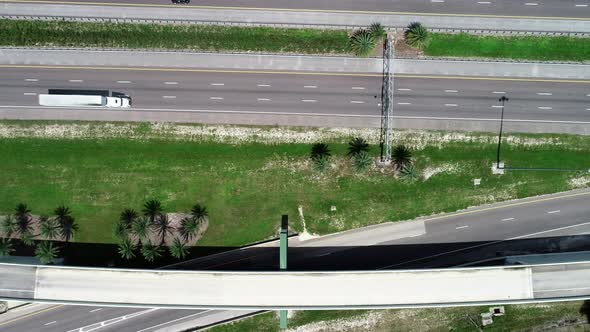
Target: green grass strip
[521, 48]
[154, 36]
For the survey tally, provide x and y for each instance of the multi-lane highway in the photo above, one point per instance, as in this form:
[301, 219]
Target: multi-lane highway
[546, 8]
[170, 93]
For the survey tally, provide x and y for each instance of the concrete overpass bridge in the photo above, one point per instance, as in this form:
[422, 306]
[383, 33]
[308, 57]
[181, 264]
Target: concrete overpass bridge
[295, 290]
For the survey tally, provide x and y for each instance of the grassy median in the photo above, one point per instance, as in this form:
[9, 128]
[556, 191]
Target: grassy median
[518, 48]
[185, 37]
[247, 182]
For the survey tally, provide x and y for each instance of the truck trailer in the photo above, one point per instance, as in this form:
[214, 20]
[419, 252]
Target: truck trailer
[84, 100]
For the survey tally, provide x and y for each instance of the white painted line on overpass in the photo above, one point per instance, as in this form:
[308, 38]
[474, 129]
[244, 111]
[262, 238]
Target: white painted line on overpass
[50, 323]
[30, 93]
[507, 219]
[561, 289]
[174, 320]
[545, 107]
[554, 211]
[124, 82]
[31, 80]
[170, 83]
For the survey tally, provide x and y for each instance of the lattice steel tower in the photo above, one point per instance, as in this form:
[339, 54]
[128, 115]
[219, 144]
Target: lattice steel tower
[387, 101]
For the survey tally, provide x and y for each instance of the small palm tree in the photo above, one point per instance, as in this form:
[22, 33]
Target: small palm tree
[23, 219]
[120, 230]
[127, 217]
[151, 252]
[6, 247]
[152, 209]
[357, 145]
[27, 238]
[162, 227]
[362, 43]
[362, 161]
[199, 212]
[377, 31]
[189, 228]
[417, 35]
[320, 149]
[178, 249]
[402, 156]
[62, 214]
[321, 163]
[126, 249]
[8, 225]
[141, 228]
[46, 252]
[409, 173]
[68, 228]
[49, 228]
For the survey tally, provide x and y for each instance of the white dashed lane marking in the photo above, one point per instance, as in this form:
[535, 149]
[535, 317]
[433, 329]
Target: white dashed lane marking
[310, 86]
[357, 102]
[451, 91]
[263, 85]
[544, 94]
[581, 5]
[124, 82]
[497, 106]
[95, 310]
[170, 83]
[531, 4]
[499, 92]
[31, 80]
[169, 97]
[217, 84]
[507, 219]
[358, 88]
[309, 100]
[461, 227]
[30, 93]
[484, 2]
[554, 211]
[50, 323]
[404, 89]
[545, 107]
[404, 103]
[216, 98]
[451, 105]
[76, 81]
[263, 99]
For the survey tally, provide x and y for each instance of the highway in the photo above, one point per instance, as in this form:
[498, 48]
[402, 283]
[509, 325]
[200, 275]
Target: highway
[170, 93]
[533, 8]
[539, 217]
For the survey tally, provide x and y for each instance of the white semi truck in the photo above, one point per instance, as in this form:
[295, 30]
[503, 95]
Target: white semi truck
[84, 100]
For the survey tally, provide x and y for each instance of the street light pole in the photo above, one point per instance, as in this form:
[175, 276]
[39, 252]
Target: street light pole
[503, 100]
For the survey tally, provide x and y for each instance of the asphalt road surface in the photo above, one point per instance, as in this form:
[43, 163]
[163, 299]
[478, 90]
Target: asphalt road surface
[273, 93]
[444, 236]
[532, 8]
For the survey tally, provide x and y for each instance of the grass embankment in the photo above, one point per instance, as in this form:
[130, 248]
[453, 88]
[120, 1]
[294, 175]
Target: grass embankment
[525, 48]
[518, 318]
[186, 37]
[248, 185]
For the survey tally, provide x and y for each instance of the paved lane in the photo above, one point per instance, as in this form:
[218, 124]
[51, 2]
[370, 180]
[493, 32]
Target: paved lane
[310, 94]
[546, 8]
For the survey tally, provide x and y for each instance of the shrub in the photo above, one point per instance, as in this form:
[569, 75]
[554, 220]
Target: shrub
[362, 43]
[409, 173]
[357, 145]
[378, 32]
[417, 35]
[319, 150]
[362, 161]
[321, 163]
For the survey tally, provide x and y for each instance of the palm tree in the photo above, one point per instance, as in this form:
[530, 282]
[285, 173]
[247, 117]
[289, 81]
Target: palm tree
[402, 156]
[357, 145]
[152, 209]
[362, 43]
[151, 252]
[140, 228]
[68, 228]
[189, 227]
[5, 247]
[46, 252]
[49, 228]
[199, 212]
[126, 249]
[178, 249]
[8, 225]
[321, 163]
[362, 161]
[417, 35]
[120, 230]
[62, 214]
[127, 217]
[409, 173]
[162, 227]
[319, 150]
[23, 219]
[377, 31]
[27, 238]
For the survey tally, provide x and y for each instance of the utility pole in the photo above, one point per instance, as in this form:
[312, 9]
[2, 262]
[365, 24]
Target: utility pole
[387, 101]
[284, 244]
[503, 100]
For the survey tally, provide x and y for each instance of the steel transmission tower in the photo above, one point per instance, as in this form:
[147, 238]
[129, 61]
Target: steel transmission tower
[387, 101]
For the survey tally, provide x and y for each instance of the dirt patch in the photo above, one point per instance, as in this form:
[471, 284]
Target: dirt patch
[403, 50]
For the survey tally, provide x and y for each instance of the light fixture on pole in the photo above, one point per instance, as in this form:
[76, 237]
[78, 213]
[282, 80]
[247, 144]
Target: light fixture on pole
[504, 99]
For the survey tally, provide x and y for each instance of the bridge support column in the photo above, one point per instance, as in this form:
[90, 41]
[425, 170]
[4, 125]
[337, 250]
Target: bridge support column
[284, 244]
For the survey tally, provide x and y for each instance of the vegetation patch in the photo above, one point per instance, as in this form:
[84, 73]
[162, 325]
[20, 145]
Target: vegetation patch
[174, 37]
[248, 183]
